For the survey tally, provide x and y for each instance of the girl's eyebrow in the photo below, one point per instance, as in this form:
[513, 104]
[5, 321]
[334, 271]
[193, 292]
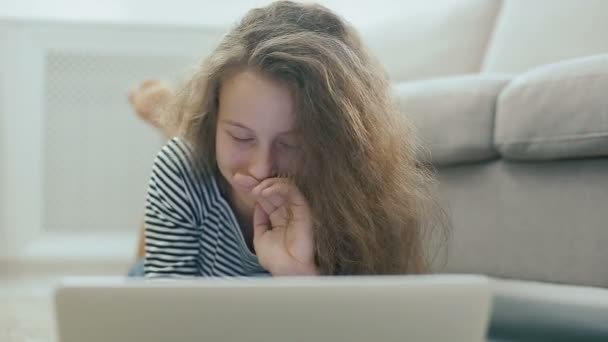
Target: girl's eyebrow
[234, 123]
[240, 125]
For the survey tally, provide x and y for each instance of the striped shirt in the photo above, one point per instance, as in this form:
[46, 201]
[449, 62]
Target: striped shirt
[191, 230]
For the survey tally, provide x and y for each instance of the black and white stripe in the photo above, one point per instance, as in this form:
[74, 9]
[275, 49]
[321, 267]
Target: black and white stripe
[191, 229]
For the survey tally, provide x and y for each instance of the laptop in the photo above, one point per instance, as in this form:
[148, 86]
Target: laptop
[453, 308]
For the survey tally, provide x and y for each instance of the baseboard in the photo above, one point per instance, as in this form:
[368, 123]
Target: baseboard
[73, 254]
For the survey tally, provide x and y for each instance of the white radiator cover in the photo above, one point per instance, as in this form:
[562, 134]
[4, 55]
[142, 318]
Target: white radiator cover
[97, 154]
[74, 158]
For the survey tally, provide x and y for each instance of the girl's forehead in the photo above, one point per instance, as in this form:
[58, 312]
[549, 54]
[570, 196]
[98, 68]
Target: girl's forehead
[256, 100]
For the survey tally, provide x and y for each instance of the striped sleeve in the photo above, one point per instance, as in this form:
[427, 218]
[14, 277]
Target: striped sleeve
[172, 231]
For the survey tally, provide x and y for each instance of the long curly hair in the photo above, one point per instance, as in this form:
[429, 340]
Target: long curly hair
[372, 202]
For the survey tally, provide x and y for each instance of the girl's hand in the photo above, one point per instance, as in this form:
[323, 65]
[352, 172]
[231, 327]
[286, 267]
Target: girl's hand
[282, 226]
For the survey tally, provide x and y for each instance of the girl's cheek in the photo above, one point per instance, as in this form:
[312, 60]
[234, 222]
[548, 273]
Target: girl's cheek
[236, 156]
[239, 159]
[288, 163]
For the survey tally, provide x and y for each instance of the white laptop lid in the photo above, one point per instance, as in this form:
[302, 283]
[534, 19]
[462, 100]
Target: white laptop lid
[452, 308]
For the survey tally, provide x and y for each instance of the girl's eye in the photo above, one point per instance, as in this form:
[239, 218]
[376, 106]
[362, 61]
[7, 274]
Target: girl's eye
[288, 146]
[241, 139]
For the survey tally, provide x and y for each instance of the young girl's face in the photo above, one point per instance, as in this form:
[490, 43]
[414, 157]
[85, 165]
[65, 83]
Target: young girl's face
[255, 130]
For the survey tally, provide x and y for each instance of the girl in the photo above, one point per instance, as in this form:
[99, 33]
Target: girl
[291, 160]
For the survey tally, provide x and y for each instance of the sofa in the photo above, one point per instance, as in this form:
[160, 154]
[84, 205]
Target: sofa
[510, 101]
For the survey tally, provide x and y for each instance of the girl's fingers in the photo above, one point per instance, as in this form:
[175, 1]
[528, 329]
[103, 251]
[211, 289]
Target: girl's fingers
[285, 199]
[277, 197]
[268, 207]
[245, 181]
[257, 190]
[275, 194]
[261, 222]
[281, 192]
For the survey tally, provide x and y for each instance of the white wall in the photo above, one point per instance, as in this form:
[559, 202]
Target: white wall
[362, 13]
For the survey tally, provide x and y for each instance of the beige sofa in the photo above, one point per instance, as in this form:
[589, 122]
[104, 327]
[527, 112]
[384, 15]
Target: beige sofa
[511, 101]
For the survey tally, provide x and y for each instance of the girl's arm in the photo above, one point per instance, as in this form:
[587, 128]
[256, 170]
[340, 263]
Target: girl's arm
[171, 234]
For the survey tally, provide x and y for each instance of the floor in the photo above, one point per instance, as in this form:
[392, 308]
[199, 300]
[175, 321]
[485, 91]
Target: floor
[25, 309]
[26, 292]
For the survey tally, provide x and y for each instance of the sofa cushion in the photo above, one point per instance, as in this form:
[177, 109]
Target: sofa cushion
[428, 39]
[554, 112]
[534, 221]
[454, 116]
[533, 33]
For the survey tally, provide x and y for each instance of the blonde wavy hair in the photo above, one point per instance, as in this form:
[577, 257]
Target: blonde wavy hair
[372, 202]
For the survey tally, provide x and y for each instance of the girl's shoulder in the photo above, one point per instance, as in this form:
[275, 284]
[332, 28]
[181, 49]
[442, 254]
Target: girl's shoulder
[176, 151]
[184, 185]
[175, 160]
